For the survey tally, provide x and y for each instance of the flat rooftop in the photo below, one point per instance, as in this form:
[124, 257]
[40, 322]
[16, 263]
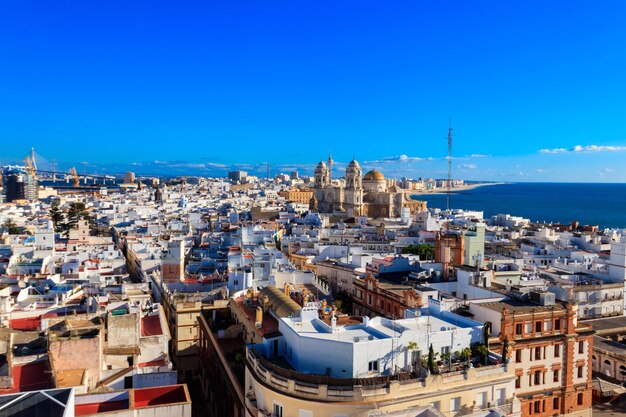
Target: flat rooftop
[612, 325]
[610, 346]
[522, 306]
[377, 328]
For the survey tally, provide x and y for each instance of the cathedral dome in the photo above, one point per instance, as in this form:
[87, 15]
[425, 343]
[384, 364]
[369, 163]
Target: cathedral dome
[374, 175]
[320, 167]
[354, 164]
[353, 167]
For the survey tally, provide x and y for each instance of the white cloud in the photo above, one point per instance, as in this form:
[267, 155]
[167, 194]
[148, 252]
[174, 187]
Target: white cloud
[468, 166]
[584, 149]
[215, 165]
[399, 158]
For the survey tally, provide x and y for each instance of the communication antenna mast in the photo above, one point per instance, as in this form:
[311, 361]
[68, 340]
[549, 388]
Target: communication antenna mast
[449, 167]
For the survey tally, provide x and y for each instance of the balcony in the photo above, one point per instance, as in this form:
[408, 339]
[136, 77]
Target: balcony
[402, 384]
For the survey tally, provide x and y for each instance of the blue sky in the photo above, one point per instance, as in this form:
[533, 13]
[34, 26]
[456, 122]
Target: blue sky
[536, 90]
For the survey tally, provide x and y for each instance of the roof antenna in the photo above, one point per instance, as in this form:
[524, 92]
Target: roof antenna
[449, 185]
[449, 182]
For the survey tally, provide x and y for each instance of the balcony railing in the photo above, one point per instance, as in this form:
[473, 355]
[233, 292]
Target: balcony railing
[320, 387]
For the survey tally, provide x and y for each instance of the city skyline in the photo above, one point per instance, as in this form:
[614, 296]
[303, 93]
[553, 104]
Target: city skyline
[535, 91]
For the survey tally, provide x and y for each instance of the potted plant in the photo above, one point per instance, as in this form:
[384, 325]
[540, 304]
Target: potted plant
[445, 357]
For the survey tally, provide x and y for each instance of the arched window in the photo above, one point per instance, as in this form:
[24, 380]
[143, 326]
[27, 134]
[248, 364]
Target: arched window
[608, 362]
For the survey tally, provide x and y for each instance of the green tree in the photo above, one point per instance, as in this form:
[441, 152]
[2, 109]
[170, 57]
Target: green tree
[466, 353]
[505, 349]
[486, 333]
[76, 212]
[343, 302]
[423, 250]
[57, 217]
[431, 360]
[10, 226]
[480, 351]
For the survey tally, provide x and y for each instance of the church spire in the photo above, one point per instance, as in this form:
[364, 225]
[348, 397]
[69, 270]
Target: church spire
[330, 168]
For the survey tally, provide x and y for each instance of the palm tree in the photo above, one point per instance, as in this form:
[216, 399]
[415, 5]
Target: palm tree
[447, 357]
[412, 347]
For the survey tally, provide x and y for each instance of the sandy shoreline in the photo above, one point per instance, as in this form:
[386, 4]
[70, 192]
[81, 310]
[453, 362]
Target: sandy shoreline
[453, 190]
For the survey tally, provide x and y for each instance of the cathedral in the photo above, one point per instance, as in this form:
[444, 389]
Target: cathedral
[361, 195]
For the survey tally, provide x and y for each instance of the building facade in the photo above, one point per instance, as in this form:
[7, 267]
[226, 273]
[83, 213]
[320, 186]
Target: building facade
[375, 298]
[367, 195]
[550, 351]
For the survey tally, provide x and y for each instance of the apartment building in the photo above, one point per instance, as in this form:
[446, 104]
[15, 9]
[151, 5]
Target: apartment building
[550, 351]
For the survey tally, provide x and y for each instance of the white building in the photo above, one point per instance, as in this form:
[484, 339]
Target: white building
[374, 347]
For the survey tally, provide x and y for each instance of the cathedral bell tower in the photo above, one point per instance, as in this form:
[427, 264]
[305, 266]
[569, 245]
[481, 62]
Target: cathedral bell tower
[353, 193]
[330, 168]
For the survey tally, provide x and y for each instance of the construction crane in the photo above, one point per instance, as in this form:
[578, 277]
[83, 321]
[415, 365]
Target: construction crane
[74, 175]
[30, 166]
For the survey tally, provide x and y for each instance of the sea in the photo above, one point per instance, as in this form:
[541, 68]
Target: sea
[589, 203]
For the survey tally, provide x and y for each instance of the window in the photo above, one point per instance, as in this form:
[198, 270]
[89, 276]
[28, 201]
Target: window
[537, 378]
[555, 403]
[580, 371]
[501, 395]
[547, 325]
[581, 347]
[372, 366]
[445, 350]
[436, 405]
[455, 404]
[518, 355]
[557, 324]
[481, 399]
[537, 353]
[555, 376]
[518, 328]
[278, 410]
[580, 399]
[518, 382]
[537, 407]
[557, 350]
[538, 327]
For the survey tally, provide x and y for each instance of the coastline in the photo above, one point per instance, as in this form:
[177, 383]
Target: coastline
[453, 190]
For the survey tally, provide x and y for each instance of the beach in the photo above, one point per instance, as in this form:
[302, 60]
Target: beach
[454, 189]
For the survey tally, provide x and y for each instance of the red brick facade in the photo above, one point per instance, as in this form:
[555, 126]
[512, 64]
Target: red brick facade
[559, 353]
[371, 298]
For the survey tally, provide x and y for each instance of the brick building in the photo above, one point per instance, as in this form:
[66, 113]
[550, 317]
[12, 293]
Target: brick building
[297, 196]
[449, 250]
[374, 297]
[551, 353]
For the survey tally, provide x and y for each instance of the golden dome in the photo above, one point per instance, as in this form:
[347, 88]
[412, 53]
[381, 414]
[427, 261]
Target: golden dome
[374, 175]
